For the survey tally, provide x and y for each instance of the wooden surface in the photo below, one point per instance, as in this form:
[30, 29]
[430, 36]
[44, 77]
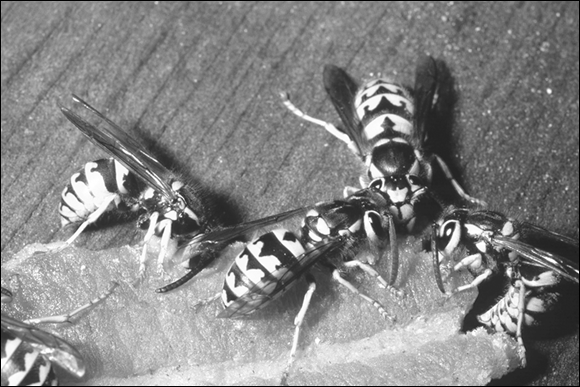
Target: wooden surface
[199, 82]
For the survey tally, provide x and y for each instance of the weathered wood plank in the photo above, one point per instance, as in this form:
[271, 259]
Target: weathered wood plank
[199, 81]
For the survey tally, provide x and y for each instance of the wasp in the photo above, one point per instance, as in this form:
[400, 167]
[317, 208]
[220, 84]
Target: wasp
[532, 259]
[387, 125]
[357, 229]
[131, 180]
[29, 353]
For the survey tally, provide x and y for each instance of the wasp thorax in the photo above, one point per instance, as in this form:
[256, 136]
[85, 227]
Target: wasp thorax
[392, 158]
[331, 219]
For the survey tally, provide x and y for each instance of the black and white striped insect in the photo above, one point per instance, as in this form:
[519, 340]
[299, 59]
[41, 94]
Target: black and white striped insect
[333, 235]
[29, 353]
[132, 180]
[387, 126]
[534, 261]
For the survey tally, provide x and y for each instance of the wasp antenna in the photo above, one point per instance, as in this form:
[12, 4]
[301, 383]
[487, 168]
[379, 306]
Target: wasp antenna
[174, 285]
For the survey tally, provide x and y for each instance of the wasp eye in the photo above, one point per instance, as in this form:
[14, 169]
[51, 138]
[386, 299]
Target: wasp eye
[415, 181]
[449, 236]
[374, 227]
[377, 184]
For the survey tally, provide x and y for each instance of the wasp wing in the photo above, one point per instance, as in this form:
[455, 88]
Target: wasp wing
[541, 235]
[256, 298]
[342, 89]
[112, 139]
[434, 96]
[52, 347]
[563, 266]
[229, 234]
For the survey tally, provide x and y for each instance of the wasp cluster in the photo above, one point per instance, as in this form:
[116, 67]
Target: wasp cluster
[390, 128]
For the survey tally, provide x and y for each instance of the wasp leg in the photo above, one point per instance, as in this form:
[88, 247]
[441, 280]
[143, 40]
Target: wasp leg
[478, 280]
[328, 126]
[521, 316]
[150, 232]
[460, 191]
[336, 276]
[298, 323]
[372, 272]
[471, 261]
[349, 190]
[165, 225]
[67, 317]
[93, 217]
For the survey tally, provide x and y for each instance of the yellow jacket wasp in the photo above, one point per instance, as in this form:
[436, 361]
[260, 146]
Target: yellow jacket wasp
[387, 126]
[132, 180]
[28, 353]
[334, 235]
[533, 260]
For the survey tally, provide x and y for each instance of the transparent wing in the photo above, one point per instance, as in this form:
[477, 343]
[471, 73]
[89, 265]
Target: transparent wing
[342, 89]
[563, 266]
[433, 95]
[229, 234]
[257, 298]
[112, 139]
[52, 347]
[537, 232]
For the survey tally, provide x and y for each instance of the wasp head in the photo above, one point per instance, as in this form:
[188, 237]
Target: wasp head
[178, 211]
[451, 233]
[402, 192]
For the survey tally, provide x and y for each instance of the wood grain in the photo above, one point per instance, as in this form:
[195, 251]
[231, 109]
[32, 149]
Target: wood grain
[199, 82]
